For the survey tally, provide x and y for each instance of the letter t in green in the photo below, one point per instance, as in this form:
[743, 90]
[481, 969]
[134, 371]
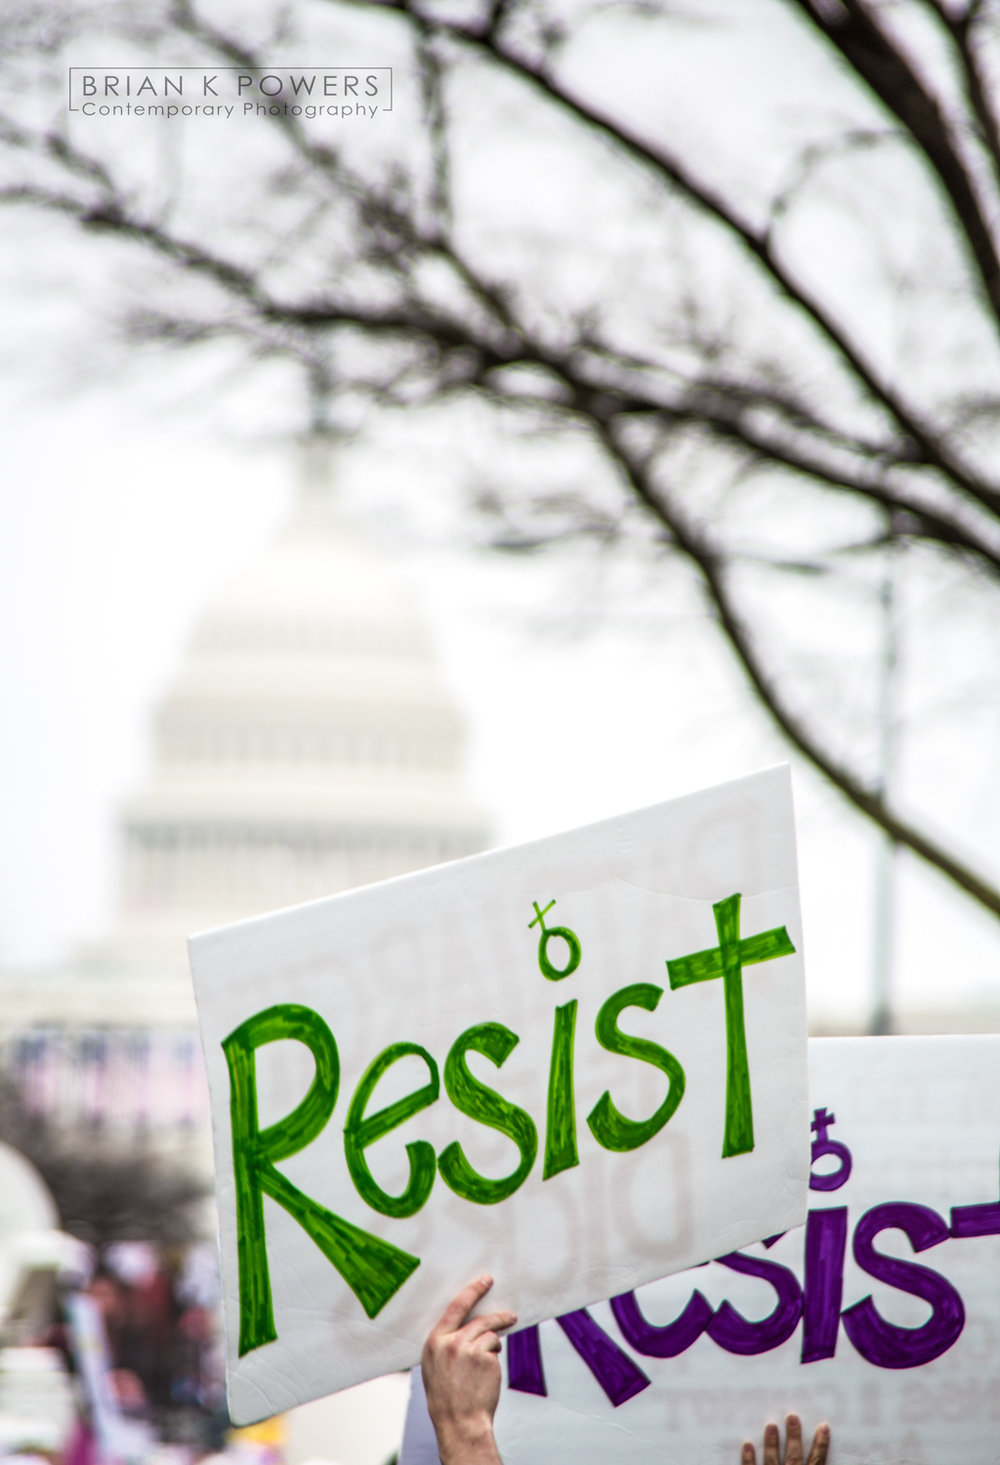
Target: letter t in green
[727, 961]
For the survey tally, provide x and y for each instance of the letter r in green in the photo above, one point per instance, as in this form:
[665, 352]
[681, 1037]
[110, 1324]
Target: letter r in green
[372, 1268]
[727, 961]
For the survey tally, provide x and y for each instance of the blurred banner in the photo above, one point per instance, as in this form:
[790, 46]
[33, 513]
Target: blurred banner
[119, 1441]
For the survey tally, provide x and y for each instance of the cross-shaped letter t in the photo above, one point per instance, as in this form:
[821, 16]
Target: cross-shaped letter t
[727, 961]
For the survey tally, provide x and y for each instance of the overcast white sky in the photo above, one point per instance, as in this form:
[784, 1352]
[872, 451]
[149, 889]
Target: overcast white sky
[115, 527]
[126, 504]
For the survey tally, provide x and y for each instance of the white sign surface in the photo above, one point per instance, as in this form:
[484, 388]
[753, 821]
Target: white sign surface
[882, 1315]
[579, 1063]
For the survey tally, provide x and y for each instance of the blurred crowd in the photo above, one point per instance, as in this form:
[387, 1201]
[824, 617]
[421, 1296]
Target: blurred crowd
[122, 1361]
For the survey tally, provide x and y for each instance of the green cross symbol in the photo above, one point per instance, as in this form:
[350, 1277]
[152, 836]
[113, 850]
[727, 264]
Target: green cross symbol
[727, 961]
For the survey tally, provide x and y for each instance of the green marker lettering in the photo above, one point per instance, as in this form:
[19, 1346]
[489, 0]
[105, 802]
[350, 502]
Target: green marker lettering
[373, 1269]
[360, 1132]
[546, 965]
[607, 1124]
[483, 1104]
[560, 1128]
[727, 961]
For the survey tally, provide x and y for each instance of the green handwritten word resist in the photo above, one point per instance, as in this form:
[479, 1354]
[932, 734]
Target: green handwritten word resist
[375, 1269]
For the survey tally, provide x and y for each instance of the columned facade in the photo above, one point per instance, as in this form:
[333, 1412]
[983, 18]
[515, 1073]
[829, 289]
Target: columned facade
[306, 745]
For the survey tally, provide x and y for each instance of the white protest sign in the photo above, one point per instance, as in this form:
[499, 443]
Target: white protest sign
[121, 1441]
[882, 1315]
[579, 1063]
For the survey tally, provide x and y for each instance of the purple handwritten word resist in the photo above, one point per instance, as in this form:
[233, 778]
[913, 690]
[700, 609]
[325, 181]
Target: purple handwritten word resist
[816, 1302]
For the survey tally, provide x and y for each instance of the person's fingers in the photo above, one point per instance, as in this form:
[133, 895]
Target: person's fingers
[772, 1445]
[820, 1445]
[489, 1322]
[749, 1455]
[461, 1305]
[793, 1440]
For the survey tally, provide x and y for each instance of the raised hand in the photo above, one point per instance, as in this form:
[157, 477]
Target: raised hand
[461, 1369]
[793, 1445]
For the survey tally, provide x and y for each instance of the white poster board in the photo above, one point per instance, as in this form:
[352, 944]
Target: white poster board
[579, 1063]
[882, 1316]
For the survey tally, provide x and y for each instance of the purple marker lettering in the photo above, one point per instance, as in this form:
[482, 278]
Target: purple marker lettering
[881, 1342]
[730, 1330]
[661, 1340]
[980, 1220]
[821, 1146]
[826, 1242]
[618, 1375]
[524, 1362]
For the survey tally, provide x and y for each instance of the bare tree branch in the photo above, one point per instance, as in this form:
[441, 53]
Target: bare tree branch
[961, 30]
[869, 800]
[929, 448]
[371, 275]
[881, 63]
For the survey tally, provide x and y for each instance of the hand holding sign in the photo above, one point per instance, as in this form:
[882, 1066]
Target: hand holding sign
[793, 1445]
[549, 1061]
[462, 1382]
[461, 1372]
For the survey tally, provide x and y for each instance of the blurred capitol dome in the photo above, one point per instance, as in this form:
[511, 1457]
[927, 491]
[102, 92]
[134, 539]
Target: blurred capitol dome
[306, 745]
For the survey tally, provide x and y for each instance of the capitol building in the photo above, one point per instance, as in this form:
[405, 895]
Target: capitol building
[306, 745]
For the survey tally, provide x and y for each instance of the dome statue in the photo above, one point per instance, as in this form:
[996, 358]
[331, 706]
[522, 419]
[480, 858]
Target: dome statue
[307, 744]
